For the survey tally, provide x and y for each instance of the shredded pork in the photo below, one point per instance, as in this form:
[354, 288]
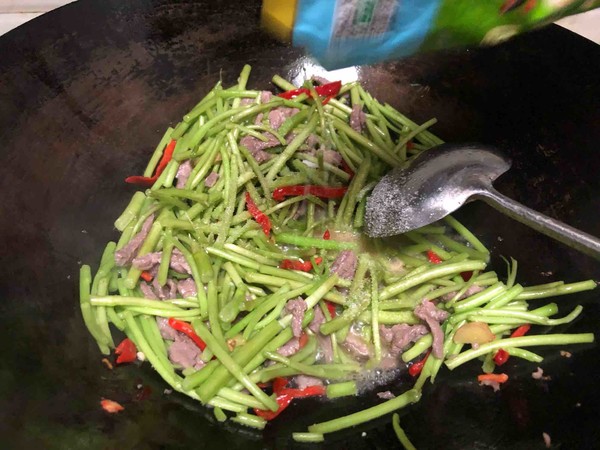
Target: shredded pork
[297, 308]
[211, 179]
[358, 118]
[399, 336]
[345, 264]
[183, 173]
[126, 254]
[187, 288]
[428, 312]
[356, 345]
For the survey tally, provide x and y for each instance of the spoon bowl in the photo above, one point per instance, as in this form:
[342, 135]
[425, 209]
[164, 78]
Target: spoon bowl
[439, 181]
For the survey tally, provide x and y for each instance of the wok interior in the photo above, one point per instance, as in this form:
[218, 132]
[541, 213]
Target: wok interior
[87, 92]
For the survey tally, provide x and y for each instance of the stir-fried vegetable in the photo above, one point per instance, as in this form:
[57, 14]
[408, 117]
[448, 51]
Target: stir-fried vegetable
[242, 272]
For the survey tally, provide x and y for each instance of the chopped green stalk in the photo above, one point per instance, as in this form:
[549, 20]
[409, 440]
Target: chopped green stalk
[512, 273]
[466, 234]
[238, 397]
[157, 154]
[291, 148]
[383, 154]
[343, 389]
[204, 266]
[219, 414]
[375, 311]
[131, 212]
[525, 341]
[331, 371]
[200, 294]
[249, 420]
[402, 437]
[505, 298]
[418, 130]
[236, 258]
[85, 281]
[116, 300]
[213, 313]
[302, 241]
[231, 175]
[437, 271]
[499, 316]
[563, 289]
[136, 334]
[524, 354]
[308, 437]
[480, 298]
[408, 398]
[165, 260]
[228, 362]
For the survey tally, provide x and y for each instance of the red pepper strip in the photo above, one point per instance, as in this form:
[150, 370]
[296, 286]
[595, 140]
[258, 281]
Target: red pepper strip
[521, 331]
[111, 406]
[327, 235]
[416, 368]
[497, 377]
[319, 191]
[288, 95]
[330, 308]
[329, 97]
[328, 90]
[162, 164]
[186, 328]
[502, 355]
[258, 215]
[303, 340]
[346, 168]
[126, 351]
[466, 276]
[146, 276]
[433, 257]
[285, 397]
[141, 181]
[279, 383]
[283, 400]
[294, 264]
[410, 145]
[309, 391]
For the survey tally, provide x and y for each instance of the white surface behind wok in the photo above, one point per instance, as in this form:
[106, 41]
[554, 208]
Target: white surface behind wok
[16, 12]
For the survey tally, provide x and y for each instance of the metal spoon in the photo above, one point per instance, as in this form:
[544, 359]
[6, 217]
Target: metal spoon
[441, 180]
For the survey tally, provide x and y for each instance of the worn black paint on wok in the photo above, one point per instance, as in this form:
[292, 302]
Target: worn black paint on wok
[85, 94]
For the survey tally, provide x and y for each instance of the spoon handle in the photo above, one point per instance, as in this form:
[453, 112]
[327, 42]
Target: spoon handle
[562, 232]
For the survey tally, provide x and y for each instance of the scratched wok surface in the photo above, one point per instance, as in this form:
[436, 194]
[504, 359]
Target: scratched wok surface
[85, 94]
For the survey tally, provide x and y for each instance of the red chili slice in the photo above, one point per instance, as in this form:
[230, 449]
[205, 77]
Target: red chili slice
[188, 330]
[309, 189]
[433, 257]
[258, 215]
[146, 276]
[329, 90]
[416, 368]
[126, 351]
[162, 164]
[285, 397]
[330, 308]
[502, 355]
[295, 264]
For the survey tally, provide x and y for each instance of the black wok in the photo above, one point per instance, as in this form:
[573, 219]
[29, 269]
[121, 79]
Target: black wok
[85, 93]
